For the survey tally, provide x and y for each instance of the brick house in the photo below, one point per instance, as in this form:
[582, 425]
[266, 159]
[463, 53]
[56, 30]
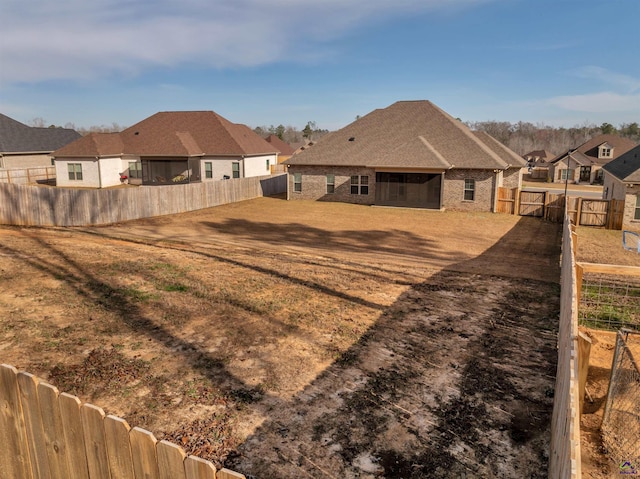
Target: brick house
[23, 146]
[584, 163]
[410, 154]
[622, 182]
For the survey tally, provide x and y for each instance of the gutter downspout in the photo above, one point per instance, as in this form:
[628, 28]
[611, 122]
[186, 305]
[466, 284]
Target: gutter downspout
[99, 173]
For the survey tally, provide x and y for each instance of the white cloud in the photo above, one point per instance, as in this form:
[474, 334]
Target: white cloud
[602, 102]
[76, 39]
[608, 77]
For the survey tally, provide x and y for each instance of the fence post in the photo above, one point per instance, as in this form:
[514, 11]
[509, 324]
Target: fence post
[516, 201]
[613, 378]
[584, 350]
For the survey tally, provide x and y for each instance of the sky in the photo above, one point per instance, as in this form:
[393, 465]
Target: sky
[269, 62]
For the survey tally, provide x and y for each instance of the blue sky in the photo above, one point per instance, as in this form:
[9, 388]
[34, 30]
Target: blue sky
[264, 62]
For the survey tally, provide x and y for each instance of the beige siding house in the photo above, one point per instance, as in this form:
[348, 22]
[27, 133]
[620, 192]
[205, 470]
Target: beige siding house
[410, 154]
[166, 148]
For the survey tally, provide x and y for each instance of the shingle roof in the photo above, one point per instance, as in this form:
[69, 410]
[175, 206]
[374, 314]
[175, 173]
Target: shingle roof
[16, 137]
[282, 147]
[589, 148]
[408, 134]
[177, 134]
[93, 145]
[626, 167]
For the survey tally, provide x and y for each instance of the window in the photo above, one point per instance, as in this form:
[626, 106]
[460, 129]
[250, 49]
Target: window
[267, 165]
[469, 189]
[135, 169]
[331, 183]
[235, 167]
[75, 171]
[605, 152]
[297, 182]
[566, 174]
[636, 216]
[360, 185]
[208, 169]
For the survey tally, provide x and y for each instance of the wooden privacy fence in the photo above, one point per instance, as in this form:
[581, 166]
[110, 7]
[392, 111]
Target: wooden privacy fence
[550, 206]
[565, 458]
[28, 176]
[45, 434]
[36, 206]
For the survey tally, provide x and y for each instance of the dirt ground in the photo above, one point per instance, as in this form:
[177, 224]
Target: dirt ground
[597, 245]
[302, 339]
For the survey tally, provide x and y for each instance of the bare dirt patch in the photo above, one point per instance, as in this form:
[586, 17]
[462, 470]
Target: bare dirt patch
[297, 339]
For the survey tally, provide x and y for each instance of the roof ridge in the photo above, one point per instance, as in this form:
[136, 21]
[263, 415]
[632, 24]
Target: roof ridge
[469, 134]
[436, 153]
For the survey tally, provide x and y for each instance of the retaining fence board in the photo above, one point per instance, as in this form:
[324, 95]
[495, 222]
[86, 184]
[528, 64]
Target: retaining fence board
[14, 453]
[118, 448]
[95, 442]
[197, 468]
[74, 436]
[53, 431]
[143, 448]
[28, 385]
[170, 460]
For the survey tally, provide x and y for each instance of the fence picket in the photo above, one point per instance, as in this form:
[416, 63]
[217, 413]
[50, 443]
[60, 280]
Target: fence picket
[170, 460]
[14, 453]
[94, 441]
[73, 436]
[143, 449]
[197, 468]
[227, 474]
[118, 448]
[28, 385]
[56, 445]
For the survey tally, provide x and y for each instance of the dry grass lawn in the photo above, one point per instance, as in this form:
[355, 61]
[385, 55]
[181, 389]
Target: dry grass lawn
[301, 339]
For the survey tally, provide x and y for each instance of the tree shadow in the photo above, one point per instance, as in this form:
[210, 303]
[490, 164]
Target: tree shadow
[351, 415]
[455, 378]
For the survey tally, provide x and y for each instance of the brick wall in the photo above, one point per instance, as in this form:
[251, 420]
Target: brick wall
[453, 195]
[512, 178]
[314, 184]
[629, 222]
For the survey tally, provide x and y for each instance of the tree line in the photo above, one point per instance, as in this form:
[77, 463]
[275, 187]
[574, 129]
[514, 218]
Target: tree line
[524, 137]
[521, 137]
[290, 134]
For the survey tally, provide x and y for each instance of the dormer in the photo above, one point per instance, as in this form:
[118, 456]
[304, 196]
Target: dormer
[605, 150]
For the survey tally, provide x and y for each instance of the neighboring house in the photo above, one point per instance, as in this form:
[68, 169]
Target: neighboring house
[285, 151]
[166, 148]
[538, 163]
[622, 182]
[23, 146]
[409, 154]
[584, 163]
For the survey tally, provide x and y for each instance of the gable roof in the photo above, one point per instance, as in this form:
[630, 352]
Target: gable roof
[589, 149]
[16, 137]
[408, 134]
[626, 167]
[175, 134]
[283, 147]
[543, 156]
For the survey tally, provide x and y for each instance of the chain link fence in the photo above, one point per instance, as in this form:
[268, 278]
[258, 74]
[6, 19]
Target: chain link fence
[608, 302]
[621, 419]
